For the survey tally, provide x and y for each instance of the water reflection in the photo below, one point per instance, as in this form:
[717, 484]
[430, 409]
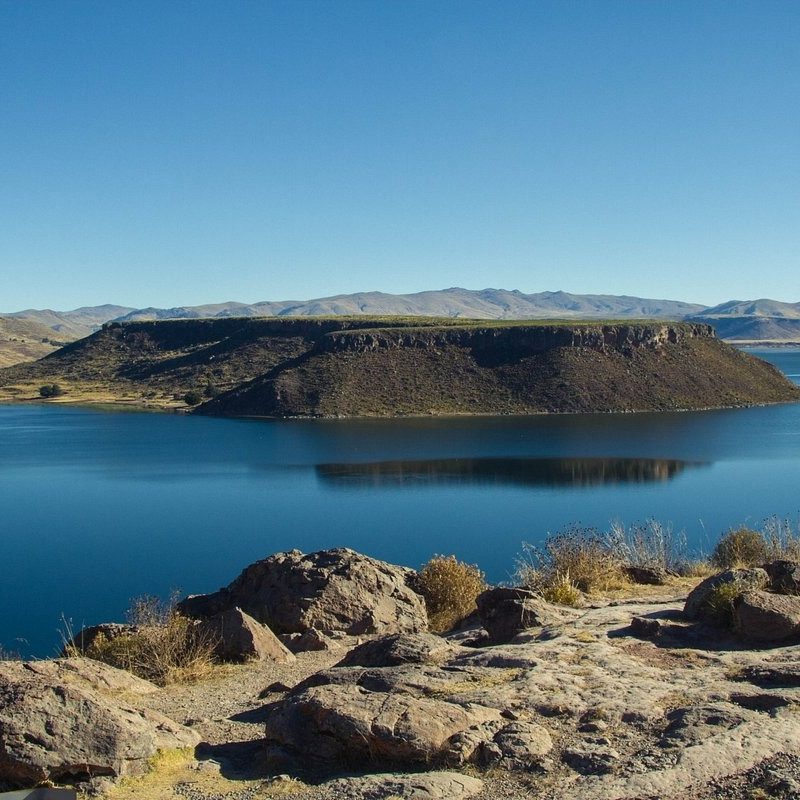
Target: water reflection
[574, 472]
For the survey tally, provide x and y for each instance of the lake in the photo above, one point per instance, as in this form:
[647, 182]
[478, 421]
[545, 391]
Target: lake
[99, 507]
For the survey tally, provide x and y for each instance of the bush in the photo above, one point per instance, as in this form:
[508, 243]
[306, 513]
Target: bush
[740, 547]
[449, 587]
[192, 398]
[165, 647]
[50, 390]
[211, 390]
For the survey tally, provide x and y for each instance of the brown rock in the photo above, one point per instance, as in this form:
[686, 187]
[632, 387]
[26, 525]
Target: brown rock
[329, 591]
[339, 723]
[54, 729]
[505, 612]
[238, 637]
[747, 579]
[784, 576]
[766, 617]
[648, 576]
[405, 648]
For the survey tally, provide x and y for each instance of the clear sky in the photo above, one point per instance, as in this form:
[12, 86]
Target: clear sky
[165, 153]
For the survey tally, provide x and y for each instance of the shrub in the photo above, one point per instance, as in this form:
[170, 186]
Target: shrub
[719, 604]
[780, 539]
[740, 547]
[192, 398]
[449, 587]
[165, 647]
[50, 390]
[211, 390]
[562, 591]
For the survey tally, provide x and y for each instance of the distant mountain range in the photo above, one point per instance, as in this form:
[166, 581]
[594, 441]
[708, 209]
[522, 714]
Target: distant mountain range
[734, 320]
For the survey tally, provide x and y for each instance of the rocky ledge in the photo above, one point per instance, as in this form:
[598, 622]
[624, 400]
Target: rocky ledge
[655, 697]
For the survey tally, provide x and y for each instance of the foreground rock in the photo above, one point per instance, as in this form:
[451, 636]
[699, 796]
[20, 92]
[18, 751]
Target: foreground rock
[238, 637]
[767, 617]
[602, 714]
[505, 612]
[418, 786]
[329, 591]
[64, 724]
[697, 603]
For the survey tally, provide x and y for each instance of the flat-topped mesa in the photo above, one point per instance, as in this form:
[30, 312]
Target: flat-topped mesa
[517, 368]
[521, 339]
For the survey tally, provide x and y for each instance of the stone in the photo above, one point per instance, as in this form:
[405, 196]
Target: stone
[403, 648]
[747, 579]
[591, 759]
[328, 591]
[523, 743]
[693, 725]
[55, 728]
[86, 672]
[86, 637]
[415, 786]
[238, 637]
[309, 641]
[644, 628]
[766, 617]
[505, 612]
[340, 723]
[648, 576]
[784, 576]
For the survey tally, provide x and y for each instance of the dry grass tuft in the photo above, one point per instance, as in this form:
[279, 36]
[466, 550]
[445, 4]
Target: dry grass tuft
[739, 547]
[449, 587]
[165, 647]
[720, 600]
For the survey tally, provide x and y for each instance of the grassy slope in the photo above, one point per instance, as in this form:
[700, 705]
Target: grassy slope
[22, 340]
[296, 367]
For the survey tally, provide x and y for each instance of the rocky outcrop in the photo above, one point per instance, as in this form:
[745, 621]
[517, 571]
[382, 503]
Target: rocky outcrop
[328, 591]
[784, 576]
[238, 637]
[54, 726]
[391, 651]
[767, 617]
[505, 612]
[697, 603]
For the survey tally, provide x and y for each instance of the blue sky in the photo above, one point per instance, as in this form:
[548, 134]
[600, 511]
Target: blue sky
[165, 153]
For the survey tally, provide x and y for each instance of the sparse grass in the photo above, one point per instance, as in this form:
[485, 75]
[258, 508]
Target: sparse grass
[720, 600]
[165, 648]
[650, 544]
[580, 557]
[449, 587]
[562, 591]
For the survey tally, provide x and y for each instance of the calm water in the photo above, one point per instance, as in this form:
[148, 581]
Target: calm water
[96, 508]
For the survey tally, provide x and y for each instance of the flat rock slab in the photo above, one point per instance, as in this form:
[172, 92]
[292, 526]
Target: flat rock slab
[420, 786]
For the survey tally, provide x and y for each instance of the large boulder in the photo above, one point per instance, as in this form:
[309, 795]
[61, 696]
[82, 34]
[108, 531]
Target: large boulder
[766, 617]
[697, 603]
[329, 591]
[55, 727]
[237, 637]
[342, 723]
[505, 612]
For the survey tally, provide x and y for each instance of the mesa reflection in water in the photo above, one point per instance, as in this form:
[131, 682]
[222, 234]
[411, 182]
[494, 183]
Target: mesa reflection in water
[511, 471]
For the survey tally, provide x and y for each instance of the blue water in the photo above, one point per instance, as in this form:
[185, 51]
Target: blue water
[99, 507]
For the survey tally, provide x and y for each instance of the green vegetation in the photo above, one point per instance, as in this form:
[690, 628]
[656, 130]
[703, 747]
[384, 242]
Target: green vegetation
[449, 587]
[164, 648]
[192, 398]
[50, 390]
